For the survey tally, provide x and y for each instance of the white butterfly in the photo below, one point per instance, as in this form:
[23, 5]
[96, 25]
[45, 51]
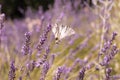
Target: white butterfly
[61, 31]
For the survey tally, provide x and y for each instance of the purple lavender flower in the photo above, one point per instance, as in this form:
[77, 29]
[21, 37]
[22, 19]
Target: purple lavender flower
[58, 73]
[43, 38]
[12, 71]
[66, 72]
[81, 73]
[106, 46]
[43, 59]
[113, 36]
[110, 50]
[46, 54]
[39, 62]
[108, 43]
[108, 73]
[45, 69]
[26, 47]
[110, 56]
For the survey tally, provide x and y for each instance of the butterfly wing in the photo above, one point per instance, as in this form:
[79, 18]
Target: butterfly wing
[55, 30]
[66, 31]
[62, 31]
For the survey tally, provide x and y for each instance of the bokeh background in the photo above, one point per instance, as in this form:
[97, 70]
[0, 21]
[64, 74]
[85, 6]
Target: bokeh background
[17, 8]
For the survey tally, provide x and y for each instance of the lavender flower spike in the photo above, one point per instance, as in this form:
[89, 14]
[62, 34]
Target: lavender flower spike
[45, 69]
[58, 73]
[46, 54]
[110, 56]
[108, 72]
[12, 71]
[26, 47]
[43, 38]
[81, 73]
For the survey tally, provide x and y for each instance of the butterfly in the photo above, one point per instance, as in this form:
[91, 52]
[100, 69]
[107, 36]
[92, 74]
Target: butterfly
[61, 31]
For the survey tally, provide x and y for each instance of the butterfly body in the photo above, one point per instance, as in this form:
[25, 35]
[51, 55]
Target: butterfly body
[57, 40]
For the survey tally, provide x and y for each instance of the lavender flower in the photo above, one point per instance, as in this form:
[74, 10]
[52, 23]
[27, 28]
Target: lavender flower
[110, 56]
[39, 62]
[66, 72]
[82, 73]
[45, 69]
[108, 73]
[58, 73]
[43, 38]
[108, 44]
[43, 59]
[113, 36]
[26, 47]
[83, 70]
[46, 54]
[12, 71]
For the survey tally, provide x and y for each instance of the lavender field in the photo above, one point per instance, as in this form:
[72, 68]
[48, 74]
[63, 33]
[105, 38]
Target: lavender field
[66, 42]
